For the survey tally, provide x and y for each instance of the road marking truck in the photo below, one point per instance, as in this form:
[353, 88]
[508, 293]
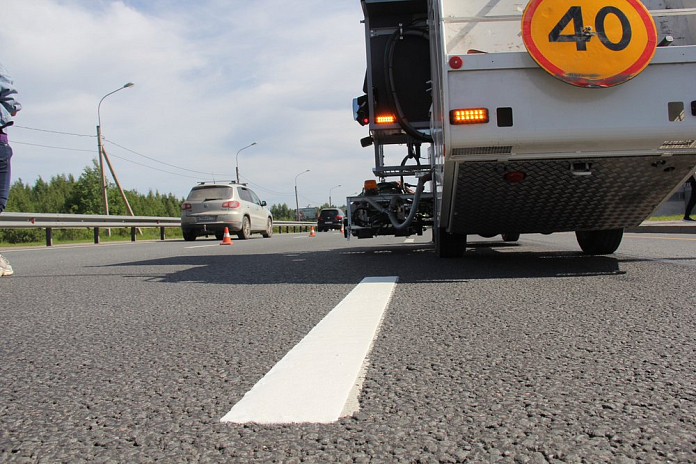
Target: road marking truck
[509, 117]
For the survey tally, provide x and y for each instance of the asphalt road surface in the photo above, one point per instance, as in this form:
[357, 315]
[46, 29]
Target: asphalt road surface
[523, 352]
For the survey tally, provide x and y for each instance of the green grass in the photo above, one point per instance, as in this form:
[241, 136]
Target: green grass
[676, 217]
[87, 236]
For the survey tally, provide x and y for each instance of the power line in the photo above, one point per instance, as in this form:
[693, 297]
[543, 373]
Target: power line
[92, 151]
[150, 167]
[53, 132]
[156, 160]
[49, 146]
[110, 141]
[257, 186]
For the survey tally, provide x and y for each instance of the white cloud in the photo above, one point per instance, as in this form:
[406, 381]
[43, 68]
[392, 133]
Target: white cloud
[210, 77]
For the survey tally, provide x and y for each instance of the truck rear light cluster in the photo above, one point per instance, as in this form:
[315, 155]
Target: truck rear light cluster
[469, 116]
[514, 177]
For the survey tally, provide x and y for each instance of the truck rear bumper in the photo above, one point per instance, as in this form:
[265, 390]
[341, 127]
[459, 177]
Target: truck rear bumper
[562, 194]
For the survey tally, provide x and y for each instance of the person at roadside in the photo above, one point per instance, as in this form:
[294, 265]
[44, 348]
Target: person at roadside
[692, 199]
[8, 108]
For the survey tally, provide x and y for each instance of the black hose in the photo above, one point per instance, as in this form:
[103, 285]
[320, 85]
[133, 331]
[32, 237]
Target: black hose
[414, 206]
[391, 88]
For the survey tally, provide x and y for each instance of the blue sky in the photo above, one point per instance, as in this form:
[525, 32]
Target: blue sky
[211, 77]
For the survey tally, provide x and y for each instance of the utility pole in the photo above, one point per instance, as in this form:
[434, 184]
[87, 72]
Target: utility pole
[297, 202]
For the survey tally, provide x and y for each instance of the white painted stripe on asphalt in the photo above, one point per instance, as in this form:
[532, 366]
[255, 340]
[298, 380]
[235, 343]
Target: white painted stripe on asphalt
[313, 382]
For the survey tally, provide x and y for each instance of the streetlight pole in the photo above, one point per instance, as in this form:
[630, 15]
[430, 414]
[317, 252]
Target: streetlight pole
[237, 162]
[297, 202]
[331, 204]
[101, 148]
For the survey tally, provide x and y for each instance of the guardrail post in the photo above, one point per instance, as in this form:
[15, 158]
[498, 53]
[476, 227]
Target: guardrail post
[133, 234]
[162, 237]
[49, 236]
[96, 235]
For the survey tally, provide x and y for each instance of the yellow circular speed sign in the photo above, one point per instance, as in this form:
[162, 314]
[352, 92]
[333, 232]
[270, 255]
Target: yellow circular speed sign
[590, 43]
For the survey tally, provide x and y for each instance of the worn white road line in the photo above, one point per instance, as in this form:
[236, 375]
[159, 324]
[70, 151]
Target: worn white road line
[313, 382]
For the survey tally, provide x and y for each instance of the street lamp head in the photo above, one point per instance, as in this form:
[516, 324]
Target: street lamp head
[300, 175]
[125, 86]
[237, 157]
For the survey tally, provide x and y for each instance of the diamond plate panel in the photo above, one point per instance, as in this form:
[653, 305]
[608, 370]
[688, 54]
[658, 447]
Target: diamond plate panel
[561, 195]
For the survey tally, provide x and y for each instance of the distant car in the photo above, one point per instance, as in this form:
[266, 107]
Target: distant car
[330, 218]
[210, 207]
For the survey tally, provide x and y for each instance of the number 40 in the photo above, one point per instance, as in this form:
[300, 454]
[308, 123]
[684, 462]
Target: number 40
[583, 34]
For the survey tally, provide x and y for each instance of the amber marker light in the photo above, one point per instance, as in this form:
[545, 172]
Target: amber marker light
[469, 116]
[385, 119]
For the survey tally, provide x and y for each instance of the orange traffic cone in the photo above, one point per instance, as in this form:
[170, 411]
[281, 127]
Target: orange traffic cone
[342, 230]
[312, 233]
[226, 239]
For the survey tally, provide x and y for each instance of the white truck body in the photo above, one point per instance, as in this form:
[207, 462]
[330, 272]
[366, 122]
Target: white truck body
[588, 159]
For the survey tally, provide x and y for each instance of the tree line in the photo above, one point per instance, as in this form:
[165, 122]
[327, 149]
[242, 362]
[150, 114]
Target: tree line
[67, 195]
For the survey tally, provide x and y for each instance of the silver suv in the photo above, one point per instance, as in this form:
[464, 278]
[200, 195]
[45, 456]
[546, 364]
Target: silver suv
[210, 207]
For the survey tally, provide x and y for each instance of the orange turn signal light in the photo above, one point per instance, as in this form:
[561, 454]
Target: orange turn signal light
[469, 116]
[385, 119]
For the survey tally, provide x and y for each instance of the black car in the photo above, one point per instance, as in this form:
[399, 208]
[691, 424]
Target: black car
[330, 218]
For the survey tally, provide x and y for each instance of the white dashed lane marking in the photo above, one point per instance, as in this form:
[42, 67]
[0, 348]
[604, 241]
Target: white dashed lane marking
[316, 379]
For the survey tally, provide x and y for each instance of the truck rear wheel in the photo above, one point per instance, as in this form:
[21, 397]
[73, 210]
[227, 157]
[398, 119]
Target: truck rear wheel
[599, 242]
[449, 245]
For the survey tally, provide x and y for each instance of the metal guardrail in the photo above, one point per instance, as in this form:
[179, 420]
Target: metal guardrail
[304, 226]
[50, 221]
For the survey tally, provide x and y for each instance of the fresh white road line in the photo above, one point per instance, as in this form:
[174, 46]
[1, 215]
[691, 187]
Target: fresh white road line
[410, 240]
[657, 237]
[201, 246]
[315, 380]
